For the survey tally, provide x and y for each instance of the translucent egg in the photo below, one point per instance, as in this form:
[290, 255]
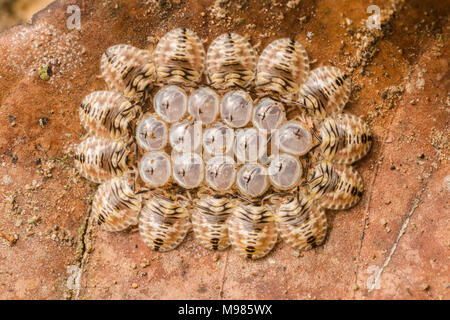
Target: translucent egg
[236, 108]
[220, 173]
[294, 139]
[268, 114]
[155, 169]
[171, 103]
[250, 145]
[218, 140]
[185, 136]
[204, 105]
[188, 170]
[151, 134]
[285, 171]
[252, 180]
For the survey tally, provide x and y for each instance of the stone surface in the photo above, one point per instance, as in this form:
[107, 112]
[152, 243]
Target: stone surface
[392, 245]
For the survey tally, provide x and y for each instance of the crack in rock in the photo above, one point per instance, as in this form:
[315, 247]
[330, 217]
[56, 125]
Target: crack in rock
[373, 282]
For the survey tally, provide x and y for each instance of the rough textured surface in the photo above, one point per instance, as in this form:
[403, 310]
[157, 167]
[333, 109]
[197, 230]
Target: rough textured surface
[393, 245]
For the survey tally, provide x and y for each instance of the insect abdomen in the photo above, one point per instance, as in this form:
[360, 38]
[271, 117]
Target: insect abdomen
[128, 70]
[163, 224]
[348, 190]
[301, 224]
[108, 114]
[252, 230]
[282, 67]
[209, 221]
[335, 186]
[179, 57]
[99, 159]
[116, 206]
[345, 139]
[325, 92]
[231, 62]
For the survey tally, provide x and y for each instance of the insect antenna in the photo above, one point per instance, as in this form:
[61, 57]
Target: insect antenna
[239, 86]
[155, 194]
[253, 203]
[194, 204]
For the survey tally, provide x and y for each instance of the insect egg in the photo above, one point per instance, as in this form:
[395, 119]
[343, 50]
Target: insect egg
[252, 180]
[285, 171]
[294, 138]
[220, 173]
[204, 105]
[236, 108]
[188, 170]
[250, 145]
[171, 103]
[155, 169]
[218, 140]
[268, 114]
[151, 134]
[185, 136]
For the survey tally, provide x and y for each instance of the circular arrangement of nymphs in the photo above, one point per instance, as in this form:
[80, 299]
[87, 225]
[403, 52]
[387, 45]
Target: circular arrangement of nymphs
[246, 150]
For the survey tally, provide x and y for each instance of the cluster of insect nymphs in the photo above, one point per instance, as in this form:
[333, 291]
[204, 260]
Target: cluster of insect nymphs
[246, 150]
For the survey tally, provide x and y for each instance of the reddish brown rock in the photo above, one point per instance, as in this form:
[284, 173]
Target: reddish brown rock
[392, 245]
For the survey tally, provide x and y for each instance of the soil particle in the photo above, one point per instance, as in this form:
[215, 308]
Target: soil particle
[11, 238]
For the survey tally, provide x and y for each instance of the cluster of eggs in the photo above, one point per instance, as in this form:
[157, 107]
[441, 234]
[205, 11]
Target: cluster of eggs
[247, 151]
